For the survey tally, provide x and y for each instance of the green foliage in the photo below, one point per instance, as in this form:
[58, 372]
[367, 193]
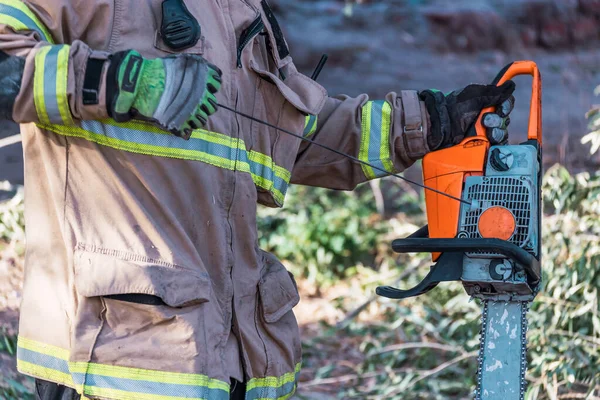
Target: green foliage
[8, 343]
[565, 338]
[16, 391]
[12, 220]
[323, 232]
[13, 389]
[594, 124]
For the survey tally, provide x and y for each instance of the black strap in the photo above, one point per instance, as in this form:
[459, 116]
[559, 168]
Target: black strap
[282, 47]
[91, 82]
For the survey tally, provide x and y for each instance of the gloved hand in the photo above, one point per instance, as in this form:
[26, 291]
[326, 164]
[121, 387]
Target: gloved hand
[175, 93]
[453, 115]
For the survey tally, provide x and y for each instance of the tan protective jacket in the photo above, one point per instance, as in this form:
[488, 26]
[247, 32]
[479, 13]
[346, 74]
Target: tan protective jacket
[117, 209]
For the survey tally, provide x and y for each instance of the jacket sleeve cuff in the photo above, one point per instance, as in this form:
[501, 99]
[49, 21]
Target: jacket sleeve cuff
[415, 126]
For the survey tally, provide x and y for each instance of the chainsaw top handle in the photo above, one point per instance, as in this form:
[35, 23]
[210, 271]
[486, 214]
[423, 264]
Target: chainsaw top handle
[534, 132]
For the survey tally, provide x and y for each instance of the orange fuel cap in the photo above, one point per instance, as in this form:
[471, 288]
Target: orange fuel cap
[497, 223]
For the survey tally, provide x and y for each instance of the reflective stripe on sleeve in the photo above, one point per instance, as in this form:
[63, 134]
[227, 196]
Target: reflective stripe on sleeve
[18, 16]
[50, 85]
[310, 125]
[375, 140]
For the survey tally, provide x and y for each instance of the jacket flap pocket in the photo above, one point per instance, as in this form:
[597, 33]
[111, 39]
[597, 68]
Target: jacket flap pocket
[101, 272]
[301, 91]
[278, 291]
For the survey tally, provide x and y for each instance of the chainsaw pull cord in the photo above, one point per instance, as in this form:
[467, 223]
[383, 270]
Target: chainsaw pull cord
[343, 154]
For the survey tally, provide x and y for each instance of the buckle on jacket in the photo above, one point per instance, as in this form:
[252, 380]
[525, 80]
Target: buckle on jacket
[409, 130]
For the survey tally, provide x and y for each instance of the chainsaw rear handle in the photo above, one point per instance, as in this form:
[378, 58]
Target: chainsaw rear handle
[425, 245]
[516, 68]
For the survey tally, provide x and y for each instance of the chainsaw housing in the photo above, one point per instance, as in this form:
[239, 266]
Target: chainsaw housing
[510, 184]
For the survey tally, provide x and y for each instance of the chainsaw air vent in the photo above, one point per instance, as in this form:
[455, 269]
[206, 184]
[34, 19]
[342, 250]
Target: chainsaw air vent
[512, 193]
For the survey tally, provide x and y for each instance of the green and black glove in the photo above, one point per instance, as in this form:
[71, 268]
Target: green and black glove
[176, 93]
[453, 115]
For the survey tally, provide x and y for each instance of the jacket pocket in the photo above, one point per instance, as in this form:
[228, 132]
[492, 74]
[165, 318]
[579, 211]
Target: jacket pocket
[104, 272]
[278, 290]
[113, 327]
[306, 95]
[277, 325]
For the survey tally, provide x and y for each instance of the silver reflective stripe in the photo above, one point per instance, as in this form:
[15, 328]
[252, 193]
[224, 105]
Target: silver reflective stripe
[50, 89]
[209, 147]
[24, 19]
[375, 137]
[375, 141]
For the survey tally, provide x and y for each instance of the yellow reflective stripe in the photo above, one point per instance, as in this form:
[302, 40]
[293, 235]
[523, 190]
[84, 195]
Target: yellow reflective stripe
[147, 375]
[365, 136]
[386, 126]
[62, 74]
[376, 139]
[18, 8]
[47, 374]
[43, 348]
[48, 362]
[213, 137]
[267, 161]
[141, 148]
[50, 85]
[39, 95]
[276, 182]
[12, 22]
[310, 125]
[272, 381]
[123, 395]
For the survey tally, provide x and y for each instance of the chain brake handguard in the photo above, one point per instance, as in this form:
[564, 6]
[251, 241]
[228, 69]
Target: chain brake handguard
[449, 266]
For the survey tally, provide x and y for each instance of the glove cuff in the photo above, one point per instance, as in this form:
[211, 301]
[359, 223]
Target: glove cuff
[117, 106]
[435, 105]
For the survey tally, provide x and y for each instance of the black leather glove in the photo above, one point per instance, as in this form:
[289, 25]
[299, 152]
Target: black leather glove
[453, 115]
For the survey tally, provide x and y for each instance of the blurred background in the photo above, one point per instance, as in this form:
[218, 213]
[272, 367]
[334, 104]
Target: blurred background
[337, 244]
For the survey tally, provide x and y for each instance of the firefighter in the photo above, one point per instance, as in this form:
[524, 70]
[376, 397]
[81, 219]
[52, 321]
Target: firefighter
[143, 274]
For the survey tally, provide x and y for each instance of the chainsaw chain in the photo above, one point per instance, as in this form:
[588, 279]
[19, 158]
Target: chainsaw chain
[524, 327]
[482, 336]
[482, 333]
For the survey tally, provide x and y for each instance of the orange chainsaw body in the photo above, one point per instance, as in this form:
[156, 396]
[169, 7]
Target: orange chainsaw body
[446, 170]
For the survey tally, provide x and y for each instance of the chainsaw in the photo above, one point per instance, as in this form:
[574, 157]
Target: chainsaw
[490, 240]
